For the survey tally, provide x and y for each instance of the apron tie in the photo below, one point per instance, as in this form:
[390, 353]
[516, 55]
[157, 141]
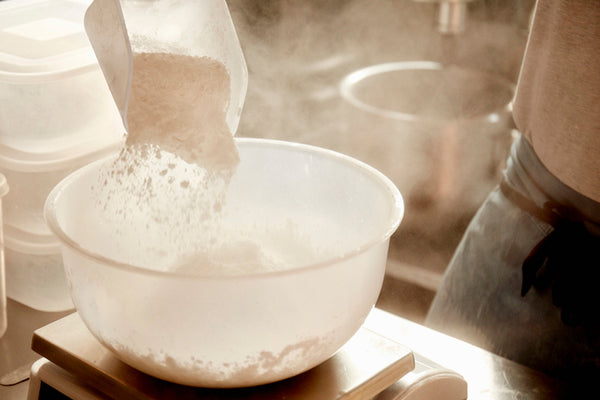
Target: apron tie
[568, 259]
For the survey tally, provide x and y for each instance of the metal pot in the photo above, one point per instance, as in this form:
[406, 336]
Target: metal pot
[441, 133]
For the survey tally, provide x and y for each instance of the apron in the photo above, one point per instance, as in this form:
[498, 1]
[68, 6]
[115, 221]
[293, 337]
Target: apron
[542, 313]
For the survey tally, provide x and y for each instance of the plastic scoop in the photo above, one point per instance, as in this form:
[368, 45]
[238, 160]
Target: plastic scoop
[105, 27]
[177, 73]
[119, 29]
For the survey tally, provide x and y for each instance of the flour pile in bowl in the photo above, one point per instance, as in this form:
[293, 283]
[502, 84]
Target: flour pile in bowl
[164, 194]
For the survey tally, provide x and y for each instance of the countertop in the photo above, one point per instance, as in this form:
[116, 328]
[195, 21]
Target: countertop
[488, 376]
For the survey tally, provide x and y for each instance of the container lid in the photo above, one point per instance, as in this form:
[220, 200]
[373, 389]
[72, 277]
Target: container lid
[29, 243]
[15, 160]
[43, 40]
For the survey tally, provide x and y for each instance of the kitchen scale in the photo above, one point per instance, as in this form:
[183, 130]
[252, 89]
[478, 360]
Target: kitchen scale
[368, 366]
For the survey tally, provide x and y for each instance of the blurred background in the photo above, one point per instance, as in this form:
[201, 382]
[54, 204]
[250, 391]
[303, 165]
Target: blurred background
[445, 128]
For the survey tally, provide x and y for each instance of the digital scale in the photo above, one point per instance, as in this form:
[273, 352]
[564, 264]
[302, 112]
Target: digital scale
[368, 366]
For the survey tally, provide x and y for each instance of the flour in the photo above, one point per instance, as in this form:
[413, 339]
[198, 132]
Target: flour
[164, 196]
[179, 104]
[260, 368]
[244, 252]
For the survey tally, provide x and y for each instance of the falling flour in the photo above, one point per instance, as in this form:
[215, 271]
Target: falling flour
[165, 193]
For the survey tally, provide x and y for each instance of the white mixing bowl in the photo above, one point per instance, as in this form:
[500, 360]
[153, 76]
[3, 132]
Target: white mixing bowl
[247, 328]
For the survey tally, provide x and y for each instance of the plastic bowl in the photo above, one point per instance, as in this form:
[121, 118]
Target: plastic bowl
[250, 328]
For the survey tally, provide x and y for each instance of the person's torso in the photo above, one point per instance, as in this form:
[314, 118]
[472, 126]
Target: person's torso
[557, 105]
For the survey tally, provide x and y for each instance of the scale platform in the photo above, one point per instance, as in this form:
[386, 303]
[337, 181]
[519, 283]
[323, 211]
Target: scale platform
[368, 366]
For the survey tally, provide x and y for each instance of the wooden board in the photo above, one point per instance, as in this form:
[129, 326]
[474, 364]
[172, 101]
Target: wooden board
[364, 367]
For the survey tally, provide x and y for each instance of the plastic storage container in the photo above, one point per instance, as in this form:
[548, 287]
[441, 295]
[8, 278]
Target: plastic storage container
[31, 180]
[57, 111]
[57, 115]
[34, 271]
[54, 96]
[3, 319]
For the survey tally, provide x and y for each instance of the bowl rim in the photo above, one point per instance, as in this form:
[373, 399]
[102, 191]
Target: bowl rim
[396, 204]
[363, 73]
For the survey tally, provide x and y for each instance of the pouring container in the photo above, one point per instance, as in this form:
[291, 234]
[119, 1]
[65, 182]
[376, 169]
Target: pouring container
[199, 29]
[119, 30]
[255, 326]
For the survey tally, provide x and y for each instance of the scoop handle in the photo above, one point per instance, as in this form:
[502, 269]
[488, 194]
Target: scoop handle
[105, 27]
